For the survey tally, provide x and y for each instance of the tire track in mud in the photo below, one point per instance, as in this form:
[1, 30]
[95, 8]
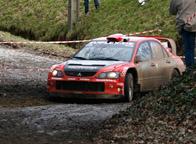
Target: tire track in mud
[16, 80]
[53, 123]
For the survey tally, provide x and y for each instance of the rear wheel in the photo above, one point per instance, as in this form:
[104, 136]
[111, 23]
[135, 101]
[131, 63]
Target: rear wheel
[128, 87]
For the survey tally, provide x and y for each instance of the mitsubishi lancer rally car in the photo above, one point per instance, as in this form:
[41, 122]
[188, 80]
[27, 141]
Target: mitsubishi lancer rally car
[116, 67]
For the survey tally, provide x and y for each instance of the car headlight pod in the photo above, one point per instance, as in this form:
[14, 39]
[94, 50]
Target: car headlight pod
[57, 73]
[109, 75]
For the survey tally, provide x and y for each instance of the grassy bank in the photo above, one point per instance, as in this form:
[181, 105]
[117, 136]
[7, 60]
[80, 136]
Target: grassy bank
[61, 51]
[127, 16]
[47, 19]
[34, 19]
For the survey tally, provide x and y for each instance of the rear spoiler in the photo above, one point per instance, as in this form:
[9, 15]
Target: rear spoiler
[167, 42]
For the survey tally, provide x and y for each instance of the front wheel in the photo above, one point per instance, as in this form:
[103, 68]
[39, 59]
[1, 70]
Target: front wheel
[128, 87]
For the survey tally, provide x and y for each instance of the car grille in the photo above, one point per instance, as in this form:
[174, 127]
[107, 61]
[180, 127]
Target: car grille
[80, 86]
[80, 74]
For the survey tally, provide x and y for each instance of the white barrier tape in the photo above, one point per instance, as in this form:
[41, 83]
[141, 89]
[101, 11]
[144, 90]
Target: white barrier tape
[150, 31]
[76, 41]
[184, 57]
[51, 42]
[25, 69]
[190, 18]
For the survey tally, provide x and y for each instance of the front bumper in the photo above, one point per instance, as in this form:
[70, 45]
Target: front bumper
[85, 88]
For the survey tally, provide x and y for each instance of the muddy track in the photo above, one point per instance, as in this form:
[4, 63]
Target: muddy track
[27, 116]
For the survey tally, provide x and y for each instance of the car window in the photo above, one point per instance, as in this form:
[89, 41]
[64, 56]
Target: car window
[102, 50]
[165, 53]
[157, 50]
[144, 51]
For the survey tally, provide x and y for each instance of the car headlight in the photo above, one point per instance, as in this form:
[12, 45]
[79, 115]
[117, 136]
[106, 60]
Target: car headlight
[109, 75]
[57, 73]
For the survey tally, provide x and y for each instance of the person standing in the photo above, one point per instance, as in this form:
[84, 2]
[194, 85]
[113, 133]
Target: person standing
[86, 4]
[185, 25]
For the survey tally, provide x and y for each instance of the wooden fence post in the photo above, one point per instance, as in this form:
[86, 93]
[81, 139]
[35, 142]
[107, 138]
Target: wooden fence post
[73, 13]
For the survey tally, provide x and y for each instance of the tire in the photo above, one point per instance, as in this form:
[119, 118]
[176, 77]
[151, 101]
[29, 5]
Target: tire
[174, 74]
[128, 89]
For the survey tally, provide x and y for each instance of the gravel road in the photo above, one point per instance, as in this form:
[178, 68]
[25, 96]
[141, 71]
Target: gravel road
[28, 117]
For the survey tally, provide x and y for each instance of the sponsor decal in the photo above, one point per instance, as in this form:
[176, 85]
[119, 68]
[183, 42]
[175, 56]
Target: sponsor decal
[55, 78]
[105, 80]
[82, 68]
[119, 84]
[105, 42]
[85, 79]
[71, 79]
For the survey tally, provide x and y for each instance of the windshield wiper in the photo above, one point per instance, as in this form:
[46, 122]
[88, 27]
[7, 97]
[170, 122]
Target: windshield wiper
[111, 59]
[77, 57]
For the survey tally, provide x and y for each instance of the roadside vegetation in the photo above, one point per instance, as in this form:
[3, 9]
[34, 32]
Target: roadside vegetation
[46, 20]
[166, 116]
[34, 19]
[54, 50]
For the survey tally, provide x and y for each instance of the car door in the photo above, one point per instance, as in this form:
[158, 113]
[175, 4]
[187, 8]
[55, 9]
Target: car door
[164, 63]
[146, 68]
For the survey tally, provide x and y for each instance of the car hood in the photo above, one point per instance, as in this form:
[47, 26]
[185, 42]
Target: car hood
[74, 67]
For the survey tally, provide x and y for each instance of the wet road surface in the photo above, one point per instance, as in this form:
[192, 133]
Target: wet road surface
[28, 117]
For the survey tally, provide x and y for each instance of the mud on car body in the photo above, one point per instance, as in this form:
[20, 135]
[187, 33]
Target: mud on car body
[116, 67]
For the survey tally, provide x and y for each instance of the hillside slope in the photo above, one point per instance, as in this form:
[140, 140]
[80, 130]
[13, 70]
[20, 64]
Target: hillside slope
[34, 19]
[127, 16]
[47, 19]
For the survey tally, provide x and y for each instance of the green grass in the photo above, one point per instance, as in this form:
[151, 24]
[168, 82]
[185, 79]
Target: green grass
[127, 16]
[35, 19]
[47, 19]
[50, 49]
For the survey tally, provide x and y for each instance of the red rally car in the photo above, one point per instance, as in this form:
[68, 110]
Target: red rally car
[116, 67]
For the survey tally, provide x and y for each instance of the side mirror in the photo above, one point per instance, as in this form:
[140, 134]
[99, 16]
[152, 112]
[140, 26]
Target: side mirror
[138, 59]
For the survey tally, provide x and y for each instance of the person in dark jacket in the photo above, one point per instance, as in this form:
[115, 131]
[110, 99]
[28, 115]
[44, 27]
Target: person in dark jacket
[185, 25]
[86, 4]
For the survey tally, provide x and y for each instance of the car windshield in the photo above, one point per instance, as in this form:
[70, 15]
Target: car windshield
[103, 50]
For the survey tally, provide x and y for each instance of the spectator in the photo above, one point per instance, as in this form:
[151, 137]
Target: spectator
[184, 10]
[86, 4]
